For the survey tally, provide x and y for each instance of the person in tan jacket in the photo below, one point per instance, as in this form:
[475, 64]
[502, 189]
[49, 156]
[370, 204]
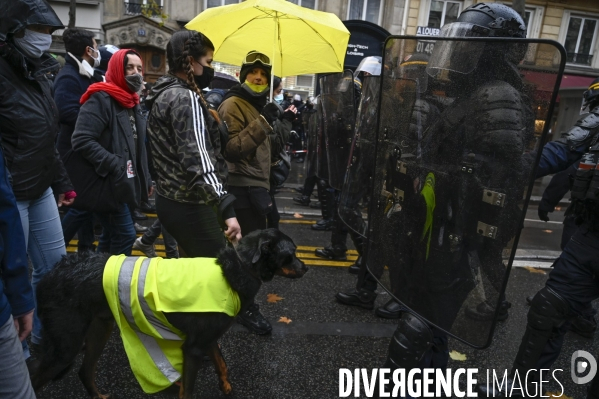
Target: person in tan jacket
[250, 119]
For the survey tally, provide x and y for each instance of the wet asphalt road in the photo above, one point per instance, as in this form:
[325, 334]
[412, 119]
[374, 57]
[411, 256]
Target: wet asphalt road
[302, 359]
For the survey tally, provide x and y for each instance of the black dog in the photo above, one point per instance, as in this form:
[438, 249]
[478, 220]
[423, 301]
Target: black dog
[74, 310]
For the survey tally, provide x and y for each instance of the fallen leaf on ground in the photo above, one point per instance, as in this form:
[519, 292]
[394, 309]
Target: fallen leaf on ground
[273, 298]
[534, 270]
[284, 319]
[554, 395]
[298, 215]
[455, 355]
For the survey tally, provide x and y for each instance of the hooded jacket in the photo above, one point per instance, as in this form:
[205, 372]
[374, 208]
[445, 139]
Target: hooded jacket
[186, 147]
[28, 114]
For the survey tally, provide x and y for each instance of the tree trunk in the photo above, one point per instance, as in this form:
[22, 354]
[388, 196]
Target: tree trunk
[518, 5]
[72, 13]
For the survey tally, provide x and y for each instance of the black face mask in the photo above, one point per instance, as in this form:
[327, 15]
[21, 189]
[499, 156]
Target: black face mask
[205, 78]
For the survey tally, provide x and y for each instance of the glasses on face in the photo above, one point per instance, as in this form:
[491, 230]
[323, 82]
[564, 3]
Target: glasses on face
[256, 56]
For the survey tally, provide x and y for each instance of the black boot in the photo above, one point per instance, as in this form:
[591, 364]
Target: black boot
[302, 200]
[584, 327]
[391, 310]
[333, 253]
[485, 311]
[254, 321]
[323, 225]
[357, 297]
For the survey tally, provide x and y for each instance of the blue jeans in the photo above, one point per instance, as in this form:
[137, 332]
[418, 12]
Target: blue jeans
[118, 233]
[45, 242]
[14, 377]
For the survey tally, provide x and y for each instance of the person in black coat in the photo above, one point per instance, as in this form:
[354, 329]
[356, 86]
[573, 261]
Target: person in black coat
[109, 161]
[71, 82]
[28, 130]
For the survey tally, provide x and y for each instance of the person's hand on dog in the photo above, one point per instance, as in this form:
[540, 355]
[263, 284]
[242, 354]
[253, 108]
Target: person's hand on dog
[24, 325]
[233, 231]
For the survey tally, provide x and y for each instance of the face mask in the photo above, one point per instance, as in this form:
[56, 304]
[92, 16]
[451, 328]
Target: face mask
[135, 82]
[205, 78]
[97, 60]
[279, 98]
[34, 44]
[256, 88]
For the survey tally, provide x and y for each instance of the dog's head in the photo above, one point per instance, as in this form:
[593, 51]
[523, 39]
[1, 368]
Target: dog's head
[271, 253]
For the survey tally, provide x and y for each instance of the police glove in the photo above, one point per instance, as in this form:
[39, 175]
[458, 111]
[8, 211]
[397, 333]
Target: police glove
[543, 215]
[271, 112]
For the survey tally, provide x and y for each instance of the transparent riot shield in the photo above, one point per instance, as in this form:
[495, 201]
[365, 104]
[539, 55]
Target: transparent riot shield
[339, 116]
[352, 209]
[322, 166]
[454, 170]
[312, 139]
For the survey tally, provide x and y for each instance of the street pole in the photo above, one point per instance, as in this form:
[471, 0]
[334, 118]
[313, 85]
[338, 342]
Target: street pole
[72, 13]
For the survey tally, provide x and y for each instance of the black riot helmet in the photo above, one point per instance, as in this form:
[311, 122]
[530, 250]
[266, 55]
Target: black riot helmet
[479, 20]
[591, 97]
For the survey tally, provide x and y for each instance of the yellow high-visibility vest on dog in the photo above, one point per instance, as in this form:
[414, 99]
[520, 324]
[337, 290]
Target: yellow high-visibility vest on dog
[140, 289]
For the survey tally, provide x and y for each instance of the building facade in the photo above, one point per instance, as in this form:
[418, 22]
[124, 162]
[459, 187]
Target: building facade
[147, 25]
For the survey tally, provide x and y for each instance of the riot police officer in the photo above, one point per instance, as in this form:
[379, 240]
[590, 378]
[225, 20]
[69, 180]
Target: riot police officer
[572, 284]
[474, 149]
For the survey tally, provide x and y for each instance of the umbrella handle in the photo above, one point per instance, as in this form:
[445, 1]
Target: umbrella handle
[272, 62]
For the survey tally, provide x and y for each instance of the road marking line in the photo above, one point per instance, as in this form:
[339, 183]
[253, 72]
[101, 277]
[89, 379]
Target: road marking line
[304, 255]
[305, 248]
[292, 221]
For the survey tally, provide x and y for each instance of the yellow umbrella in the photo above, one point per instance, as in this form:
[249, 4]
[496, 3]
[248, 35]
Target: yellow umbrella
[298, 40]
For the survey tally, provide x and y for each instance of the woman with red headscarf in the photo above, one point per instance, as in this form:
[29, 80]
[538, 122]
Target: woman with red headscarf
[109, 161]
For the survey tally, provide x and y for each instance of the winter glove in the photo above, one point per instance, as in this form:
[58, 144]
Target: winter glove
[271, 112]
[543, 215]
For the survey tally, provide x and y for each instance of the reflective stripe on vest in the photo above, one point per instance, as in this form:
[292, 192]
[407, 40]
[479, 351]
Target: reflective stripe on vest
[151, 346]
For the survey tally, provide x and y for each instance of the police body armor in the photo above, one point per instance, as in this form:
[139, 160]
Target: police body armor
[450, 182]
[585, 185]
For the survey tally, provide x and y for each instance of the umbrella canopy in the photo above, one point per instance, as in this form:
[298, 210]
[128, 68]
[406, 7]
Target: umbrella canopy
[298, 40]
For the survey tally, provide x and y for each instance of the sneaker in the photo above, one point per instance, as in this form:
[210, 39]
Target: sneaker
[254, 321]
[147, 249]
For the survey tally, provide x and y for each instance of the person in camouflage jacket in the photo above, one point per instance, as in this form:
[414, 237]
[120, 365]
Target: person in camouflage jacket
[185, 142]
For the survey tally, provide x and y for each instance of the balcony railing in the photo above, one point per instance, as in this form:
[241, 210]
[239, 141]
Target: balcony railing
[149, 10]
[580, 59]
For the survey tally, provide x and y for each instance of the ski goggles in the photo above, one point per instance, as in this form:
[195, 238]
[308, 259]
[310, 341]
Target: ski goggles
[254, 56]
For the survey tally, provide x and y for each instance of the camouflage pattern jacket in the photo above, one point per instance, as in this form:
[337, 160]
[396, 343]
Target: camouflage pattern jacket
[186, 149]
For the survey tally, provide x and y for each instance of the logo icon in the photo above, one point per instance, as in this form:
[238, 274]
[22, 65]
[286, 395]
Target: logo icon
[579, 366]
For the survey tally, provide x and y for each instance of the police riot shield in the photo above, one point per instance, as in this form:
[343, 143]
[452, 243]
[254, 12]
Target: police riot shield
[339, 116]
[312, 138]
[360, 165]
[322, 165]
[454, 170]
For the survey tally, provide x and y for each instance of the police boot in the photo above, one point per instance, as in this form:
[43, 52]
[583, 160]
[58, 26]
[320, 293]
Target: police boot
[332, 253]
[548, 312]
[584, 327]
[484, 311]
[362, 296]
[323, 225]
[355, 268]
[302, 200]
[326, 197]
[391, 310]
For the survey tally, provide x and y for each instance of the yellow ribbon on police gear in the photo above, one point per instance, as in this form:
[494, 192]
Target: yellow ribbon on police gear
[428, 193]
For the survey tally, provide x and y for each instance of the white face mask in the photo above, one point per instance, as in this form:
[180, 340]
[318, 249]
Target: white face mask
[34, 44]
[279, 98]
[96, 60]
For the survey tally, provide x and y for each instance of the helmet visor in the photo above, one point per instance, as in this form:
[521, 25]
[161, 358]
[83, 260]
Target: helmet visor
[457, 56]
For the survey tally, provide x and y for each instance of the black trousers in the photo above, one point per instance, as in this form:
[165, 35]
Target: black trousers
[252, 205]
[194, 226]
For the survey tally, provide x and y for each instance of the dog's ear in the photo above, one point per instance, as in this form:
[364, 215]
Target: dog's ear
[262, 249]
